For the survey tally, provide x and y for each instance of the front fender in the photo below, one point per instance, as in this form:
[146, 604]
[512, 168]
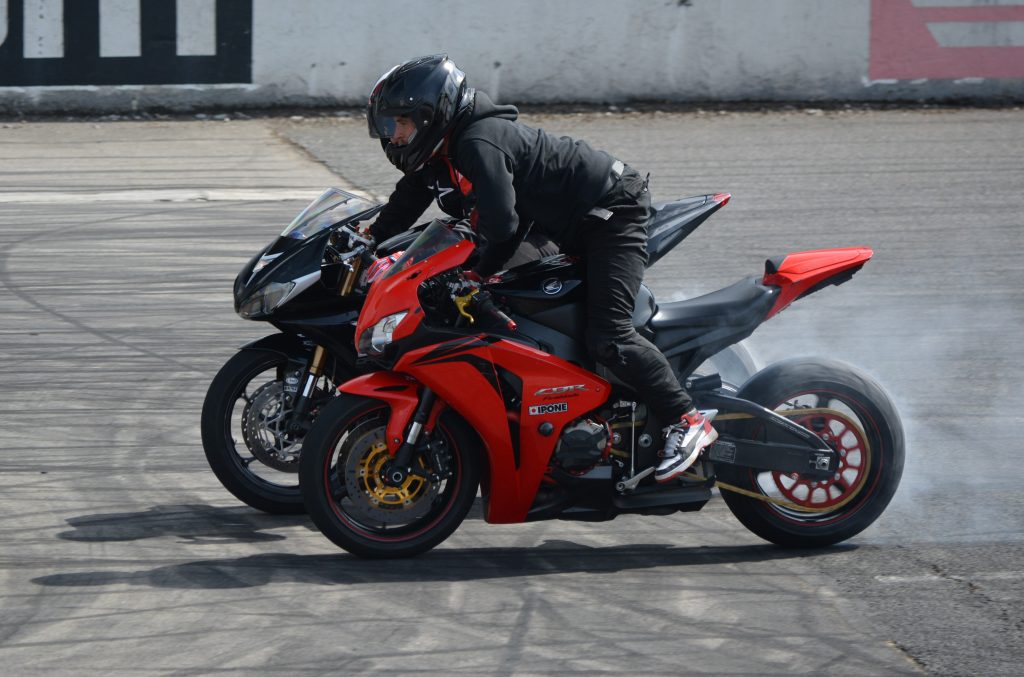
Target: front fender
[287, 345]
[397, 391]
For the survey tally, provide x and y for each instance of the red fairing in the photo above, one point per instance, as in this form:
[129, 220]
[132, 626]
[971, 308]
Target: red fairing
[393, 293]
[464, 373]
[801, 271]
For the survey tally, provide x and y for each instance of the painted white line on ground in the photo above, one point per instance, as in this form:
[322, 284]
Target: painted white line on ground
[931, 578]
[924, 578]
[164, 195]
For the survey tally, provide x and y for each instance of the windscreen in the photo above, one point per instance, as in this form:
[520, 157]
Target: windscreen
[333, 206]
[437, 237]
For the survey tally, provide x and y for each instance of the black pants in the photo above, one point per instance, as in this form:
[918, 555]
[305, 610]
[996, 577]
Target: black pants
[615, 251]
[535, 246]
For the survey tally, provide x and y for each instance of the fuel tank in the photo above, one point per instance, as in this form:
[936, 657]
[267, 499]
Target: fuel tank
[552, 292]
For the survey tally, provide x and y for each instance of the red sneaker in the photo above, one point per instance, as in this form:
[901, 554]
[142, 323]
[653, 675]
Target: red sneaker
[683, 443]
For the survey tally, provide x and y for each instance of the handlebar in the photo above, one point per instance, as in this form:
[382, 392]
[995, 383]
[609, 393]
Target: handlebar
[348, 252]
[483, 303]
[357, 237]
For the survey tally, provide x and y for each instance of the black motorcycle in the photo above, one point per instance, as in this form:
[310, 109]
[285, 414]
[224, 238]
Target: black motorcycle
[310, 284]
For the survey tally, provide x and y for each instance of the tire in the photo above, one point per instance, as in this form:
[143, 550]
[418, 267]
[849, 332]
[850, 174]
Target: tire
[734, 364]
[859, 420]
[235, 436]
[339, 475]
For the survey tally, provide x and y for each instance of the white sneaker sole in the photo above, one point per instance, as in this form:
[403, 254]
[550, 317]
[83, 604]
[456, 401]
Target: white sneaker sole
[690, 460]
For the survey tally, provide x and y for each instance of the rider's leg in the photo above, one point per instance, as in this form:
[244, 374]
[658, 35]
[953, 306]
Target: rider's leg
[616, 254]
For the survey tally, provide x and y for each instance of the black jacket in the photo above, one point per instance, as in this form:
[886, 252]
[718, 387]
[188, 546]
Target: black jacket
[519, 174]
[412, 195]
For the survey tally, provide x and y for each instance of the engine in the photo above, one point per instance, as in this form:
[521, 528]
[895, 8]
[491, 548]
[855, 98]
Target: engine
[582, 445]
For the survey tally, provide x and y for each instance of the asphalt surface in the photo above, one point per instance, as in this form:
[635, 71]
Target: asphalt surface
[121, 553]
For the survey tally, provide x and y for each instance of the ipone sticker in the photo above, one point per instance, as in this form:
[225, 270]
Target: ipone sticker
[553, 408]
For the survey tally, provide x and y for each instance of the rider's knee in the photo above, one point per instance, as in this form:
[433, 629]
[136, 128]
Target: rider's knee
[604, 348]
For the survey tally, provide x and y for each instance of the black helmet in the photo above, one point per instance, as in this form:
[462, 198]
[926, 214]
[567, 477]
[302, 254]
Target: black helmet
[432, 92]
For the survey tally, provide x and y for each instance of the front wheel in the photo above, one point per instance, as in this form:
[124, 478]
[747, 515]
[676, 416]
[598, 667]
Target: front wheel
[853, 415]
[245, 429]
[342, 476]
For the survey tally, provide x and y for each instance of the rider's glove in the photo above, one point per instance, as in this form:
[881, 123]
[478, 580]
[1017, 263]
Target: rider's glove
[380, 266]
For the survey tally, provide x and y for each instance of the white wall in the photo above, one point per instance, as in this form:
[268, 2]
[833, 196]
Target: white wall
[576, 50]
[331, 52]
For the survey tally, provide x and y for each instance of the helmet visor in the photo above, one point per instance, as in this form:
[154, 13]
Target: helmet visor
[407, 123]
[381, 126]
[400, 98]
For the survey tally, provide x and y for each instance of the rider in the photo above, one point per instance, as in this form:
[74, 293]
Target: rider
[432, 125]
[435, 178]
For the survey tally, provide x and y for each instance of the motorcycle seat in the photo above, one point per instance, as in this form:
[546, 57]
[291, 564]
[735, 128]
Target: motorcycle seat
[734, 306]
[664, 212]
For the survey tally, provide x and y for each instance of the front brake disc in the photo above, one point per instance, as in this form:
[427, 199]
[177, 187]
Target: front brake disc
[265, 429]
[371, 497]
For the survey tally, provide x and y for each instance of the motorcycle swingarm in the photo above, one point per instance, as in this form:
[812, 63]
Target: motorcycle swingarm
[798, 451]
[785, 458]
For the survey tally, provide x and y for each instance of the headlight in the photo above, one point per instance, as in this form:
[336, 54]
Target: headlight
[265, 300]
[374, 339]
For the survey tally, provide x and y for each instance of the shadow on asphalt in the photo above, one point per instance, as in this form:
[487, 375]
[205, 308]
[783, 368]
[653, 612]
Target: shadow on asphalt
[195, 523]
[210, 524]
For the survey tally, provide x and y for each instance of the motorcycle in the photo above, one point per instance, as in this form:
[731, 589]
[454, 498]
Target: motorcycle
[490, 386]
[310, 283]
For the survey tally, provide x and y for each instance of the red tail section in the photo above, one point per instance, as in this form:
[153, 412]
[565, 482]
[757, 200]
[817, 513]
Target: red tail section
[805, 272]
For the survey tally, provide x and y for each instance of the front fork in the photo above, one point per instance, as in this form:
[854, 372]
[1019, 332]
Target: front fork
[425, 417]
[303, 395]
[400, 467]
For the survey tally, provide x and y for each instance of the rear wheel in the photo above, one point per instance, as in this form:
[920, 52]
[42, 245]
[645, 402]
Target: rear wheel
[342, 476]
[734, 364]
[854, 416]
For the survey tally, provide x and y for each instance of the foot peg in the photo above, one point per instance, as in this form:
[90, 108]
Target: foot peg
[630, 484]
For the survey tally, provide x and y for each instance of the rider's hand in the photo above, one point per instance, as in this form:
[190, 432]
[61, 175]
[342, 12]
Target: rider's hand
[470, 282]
[364, 231]
[379, 267]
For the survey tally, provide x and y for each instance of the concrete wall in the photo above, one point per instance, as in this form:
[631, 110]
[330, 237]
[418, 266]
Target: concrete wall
[119, 55]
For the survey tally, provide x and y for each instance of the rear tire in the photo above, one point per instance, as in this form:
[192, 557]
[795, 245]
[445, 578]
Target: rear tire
[339, 473]
[863, 426]
[734, 364]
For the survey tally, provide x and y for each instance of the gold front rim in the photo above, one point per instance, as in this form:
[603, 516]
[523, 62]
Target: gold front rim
[369, 471]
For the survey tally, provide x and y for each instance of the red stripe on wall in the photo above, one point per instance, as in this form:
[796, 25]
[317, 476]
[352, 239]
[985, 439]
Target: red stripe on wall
[902, 47]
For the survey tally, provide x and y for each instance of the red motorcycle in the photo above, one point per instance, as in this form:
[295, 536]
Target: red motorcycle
[491, 386]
